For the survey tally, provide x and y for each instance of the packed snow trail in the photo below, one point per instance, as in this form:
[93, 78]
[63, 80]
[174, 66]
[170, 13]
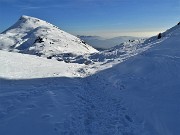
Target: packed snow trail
[63, 106]
[98, 111]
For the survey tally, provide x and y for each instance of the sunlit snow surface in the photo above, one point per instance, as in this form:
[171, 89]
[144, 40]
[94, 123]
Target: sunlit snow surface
[34, 36]
[132, 89]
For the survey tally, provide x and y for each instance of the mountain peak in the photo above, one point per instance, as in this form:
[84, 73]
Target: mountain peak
[34, 36]
[31, 19]
[26, 17]
[26, 23]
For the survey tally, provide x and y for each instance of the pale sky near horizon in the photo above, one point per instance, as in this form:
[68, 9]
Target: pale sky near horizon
[107, 18]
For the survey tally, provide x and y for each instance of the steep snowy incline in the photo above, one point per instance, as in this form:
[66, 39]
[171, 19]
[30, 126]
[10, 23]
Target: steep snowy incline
[34, 36]
[149, 85]
[120, 53]
[123, 51]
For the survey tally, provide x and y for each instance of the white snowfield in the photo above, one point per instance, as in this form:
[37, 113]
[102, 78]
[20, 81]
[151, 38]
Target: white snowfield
[132, 89]
[23, 66]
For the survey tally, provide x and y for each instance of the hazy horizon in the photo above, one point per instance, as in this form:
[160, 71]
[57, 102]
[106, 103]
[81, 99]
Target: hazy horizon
[105, 18]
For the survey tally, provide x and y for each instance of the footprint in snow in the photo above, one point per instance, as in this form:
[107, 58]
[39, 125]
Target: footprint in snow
[10, 108]
[2, 115]
[31, 106]
[46, 116]
[128, 118]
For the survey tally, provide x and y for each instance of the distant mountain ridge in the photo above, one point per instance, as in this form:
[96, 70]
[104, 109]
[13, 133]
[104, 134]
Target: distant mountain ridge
[103, 43]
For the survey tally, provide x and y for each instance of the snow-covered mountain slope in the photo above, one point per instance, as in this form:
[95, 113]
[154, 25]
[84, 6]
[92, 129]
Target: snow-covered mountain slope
[136, 96]
[149, 85]
[118, 53]
[41, 96]
[34, 36]
[123, 51]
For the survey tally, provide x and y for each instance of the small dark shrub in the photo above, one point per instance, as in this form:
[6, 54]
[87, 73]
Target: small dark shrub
[159, 35]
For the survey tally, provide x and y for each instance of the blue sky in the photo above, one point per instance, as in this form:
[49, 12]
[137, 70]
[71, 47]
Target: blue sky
[108, 18]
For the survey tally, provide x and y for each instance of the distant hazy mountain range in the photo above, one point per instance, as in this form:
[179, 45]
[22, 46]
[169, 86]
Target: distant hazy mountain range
[103, 43]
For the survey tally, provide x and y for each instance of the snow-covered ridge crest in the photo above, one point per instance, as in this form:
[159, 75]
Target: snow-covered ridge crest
[27, 23]
[128, 49]
[35, 36]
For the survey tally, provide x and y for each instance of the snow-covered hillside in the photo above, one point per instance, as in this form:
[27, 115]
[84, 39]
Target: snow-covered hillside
[34, 36]
[24, 66]
[149, 84]
[132, 89]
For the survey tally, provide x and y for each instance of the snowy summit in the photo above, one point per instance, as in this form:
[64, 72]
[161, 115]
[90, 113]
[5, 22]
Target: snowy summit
[34, 36]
